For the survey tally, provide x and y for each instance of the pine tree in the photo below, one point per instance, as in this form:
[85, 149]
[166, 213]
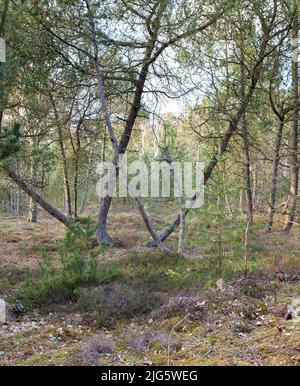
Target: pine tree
[9, 141]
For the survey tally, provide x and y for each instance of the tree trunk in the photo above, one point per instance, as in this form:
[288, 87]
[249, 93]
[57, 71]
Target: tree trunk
[101, 233]
[255, 191]
[294, 169]
[67, 189]
[275, 170]
[246, 151]
[149, 226]
[66, 177]
[241, 198]
[88, 179]
[37, 198]
[76, 170]
[32, 215]
[181, 238]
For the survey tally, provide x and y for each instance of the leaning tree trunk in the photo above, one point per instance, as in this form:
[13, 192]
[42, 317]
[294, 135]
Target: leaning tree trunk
[24, 185]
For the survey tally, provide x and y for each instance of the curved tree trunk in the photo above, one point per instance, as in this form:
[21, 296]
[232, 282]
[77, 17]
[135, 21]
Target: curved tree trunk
[101, 233]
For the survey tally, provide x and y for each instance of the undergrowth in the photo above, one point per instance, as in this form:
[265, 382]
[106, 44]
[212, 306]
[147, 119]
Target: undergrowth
[57, 284]
[112, 290]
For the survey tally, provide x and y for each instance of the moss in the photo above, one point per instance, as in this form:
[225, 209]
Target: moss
[53, 357]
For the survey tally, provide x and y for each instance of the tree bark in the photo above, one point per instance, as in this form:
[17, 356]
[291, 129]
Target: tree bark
[67, 190]
[294, 162]
[275, 171]
[88, 179]
[181, 237]
[32, 215]
[246, 151]
[76, 170]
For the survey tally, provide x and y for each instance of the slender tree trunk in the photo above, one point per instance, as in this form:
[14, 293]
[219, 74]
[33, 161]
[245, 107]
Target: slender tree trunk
[149, 226]
[275, 171]
[76, 171]
[181, 202]
[67, 190]
[225, 189]
[255, 192]
[241, 198]
[1, 118]
[18, 194]
[246, 172]
[294, 169]
[3, 16]
[104, 143]
[246, 151]
[88, 180]
[32, 215]
[12, 202]
[181, 238]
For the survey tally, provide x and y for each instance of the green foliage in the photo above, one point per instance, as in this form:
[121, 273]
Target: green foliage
[9, 144]
[58, 284]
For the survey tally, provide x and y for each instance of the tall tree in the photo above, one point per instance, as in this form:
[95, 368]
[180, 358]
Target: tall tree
[293, 144]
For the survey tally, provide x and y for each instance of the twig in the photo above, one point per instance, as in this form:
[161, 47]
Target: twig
[172, 330]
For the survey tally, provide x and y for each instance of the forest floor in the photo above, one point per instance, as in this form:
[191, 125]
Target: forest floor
[154, 308]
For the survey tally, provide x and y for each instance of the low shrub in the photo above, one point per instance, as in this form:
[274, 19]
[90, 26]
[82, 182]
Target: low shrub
[59, 284]
[110, 303]
[94, 348]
